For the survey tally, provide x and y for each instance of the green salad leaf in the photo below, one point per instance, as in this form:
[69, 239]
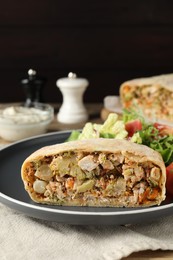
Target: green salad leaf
[90, 131]
[165, 147]
[111, 128]
[149, 136]
[114, 128]
[131, 115]
[73, 136]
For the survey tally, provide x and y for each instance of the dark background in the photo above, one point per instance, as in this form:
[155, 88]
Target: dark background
[105, 41]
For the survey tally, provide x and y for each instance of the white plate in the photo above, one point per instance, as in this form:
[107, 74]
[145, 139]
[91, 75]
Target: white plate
[13, 194]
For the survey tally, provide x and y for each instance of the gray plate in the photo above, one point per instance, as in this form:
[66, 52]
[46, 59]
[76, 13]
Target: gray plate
[12, 192]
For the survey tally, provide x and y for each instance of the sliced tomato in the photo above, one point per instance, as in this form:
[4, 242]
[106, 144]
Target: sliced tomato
[169, 179]
[133, 126]
[164, 129]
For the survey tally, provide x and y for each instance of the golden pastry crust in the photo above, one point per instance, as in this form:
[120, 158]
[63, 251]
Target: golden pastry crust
[95, 172]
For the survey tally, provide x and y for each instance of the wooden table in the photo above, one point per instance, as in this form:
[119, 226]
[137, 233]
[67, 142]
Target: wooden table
[96, 114]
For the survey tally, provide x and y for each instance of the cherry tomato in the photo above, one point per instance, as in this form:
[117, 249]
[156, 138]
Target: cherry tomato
[169, 179]
[164, 129]
[133, 126]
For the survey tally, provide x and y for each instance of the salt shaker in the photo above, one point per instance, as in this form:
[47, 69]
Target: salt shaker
[72, 110]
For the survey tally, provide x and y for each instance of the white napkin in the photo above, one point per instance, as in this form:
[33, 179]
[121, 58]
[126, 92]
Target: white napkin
[23, 237]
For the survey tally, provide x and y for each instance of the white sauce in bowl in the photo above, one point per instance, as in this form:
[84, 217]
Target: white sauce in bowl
[17, 122]
[23, 115]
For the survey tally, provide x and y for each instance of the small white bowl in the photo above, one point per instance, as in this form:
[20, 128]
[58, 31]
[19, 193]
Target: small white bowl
[18, 122]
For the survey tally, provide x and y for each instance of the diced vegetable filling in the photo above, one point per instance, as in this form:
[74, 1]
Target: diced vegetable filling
[157, 97]
[94, 176]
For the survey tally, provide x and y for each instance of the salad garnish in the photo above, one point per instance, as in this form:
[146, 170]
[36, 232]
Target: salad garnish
[135, 128]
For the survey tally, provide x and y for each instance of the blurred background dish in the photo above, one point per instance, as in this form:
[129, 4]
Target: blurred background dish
[111, 104]
[19, 122]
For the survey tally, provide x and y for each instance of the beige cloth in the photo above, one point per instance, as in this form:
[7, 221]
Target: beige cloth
[23, 237]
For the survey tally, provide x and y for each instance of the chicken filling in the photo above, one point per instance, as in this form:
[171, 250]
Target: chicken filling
[95, 176]
[148, 96]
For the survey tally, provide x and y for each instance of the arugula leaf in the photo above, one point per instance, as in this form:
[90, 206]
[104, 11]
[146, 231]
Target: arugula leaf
[163, 145]
[149, 134]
